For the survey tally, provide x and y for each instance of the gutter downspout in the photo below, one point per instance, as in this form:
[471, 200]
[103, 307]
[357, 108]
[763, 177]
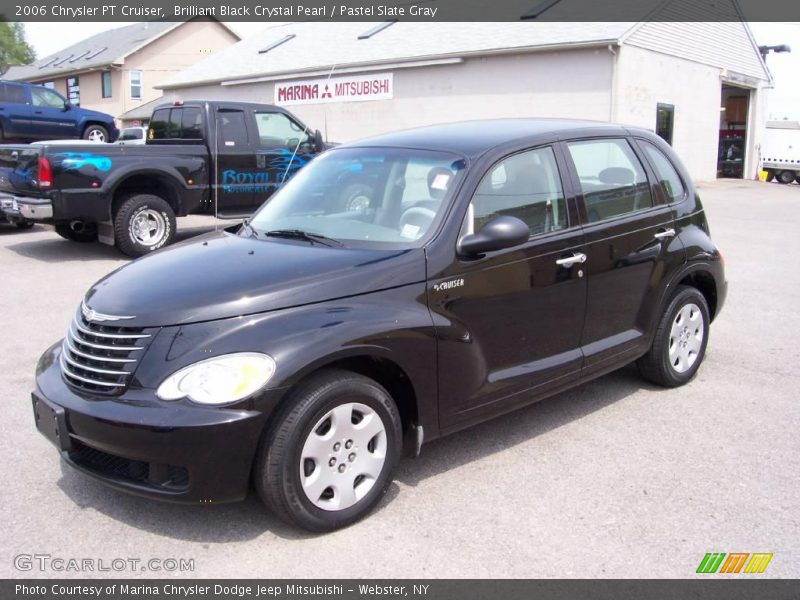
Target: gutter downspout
[612, 109]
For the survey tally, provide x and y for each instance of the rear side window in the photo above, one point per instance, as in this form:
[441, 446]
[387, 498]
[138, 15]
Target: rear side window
[231, 129]
[668, 178]
[526, 186]
[612, 179]
[11, 93]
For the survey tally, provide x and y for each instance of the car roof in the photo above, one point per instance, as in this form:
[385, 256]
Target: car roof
[473, 138]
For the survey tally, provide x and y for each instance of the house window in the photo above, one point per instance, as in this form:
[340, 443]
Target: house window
[106, 81]
[74, 91]
[665, 116]
[136, 84]
[50, 85]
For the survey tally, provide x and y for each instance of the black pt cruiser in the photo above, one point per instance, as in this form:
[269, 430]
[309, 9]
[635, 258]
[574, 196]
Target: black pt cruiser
[398, 289]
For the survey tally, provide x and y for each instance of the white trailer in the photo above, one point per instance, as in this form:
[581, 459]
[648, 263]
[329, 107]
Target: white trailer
[780, 151]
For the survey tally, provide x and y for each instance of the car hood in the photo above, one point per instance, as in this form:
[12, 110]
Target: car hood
[95, 114]
[221, 275]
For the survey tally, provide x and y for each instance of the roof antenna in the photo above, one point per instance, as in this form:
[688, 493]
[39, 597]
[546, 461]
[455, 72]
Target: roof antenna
[325, 121]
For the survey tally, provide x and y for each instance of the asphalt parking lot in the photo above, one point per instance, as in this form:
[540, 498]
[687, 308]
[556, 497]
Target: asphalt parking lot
[614, 479]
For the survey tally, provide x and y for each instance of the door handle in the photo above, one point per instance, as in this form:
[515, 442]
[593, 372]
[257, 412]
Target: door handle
[663, 234]
[567, 262]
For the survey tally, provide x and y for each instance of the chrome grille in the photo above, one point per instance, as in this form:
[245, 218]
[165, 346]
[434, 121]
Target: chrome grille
[101, 358]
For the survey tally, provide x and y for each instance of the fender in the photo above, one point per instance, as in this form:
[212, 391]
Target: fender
[167, 173]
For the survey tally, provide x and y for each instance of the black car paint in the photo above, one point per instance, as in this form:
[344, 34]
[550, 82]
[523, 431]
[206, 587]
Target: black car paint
[451, 355]
[190, 173]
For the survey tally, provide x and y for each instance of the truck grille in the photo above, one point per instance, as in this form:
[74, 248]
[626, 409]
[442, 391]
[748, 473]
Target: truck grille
[101, 358]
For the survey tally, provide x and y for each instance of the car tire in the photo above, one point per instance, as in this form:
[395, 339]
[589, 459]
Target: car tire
[143, 223]
[355, 197]
[96, 133]
[679, 344]
[317, 467]
[24, 224]
[77, 231]
[786, 176]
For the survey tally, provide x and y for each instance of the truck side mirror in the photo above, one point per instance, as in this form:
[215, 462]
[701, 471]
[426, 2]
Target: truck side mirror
[499, 233]
[319, 144]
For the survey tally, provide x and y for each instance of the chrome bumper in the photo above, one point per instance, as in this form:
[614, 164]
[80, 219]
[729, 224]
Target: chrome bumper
[34, 209]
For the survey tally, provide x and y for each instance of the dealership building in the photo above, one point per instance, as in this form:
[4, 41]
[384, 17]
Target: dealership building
[701, 86]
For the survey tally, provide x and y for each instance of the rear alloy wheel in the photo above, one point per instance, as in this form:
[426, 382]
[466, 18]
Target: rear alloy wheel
[786, 176]
[77, 231]
[328, 457]
[680, 341]
[143, 223]
[95, 133]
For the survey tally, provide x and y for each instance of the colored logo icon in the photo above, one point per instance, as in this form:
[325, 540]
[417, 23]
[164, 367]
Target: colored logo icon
[737, 562]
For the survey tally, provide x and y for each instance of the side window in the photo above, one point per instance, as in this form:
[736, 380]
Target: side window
[174, 126]
[44, 97]
[278, 130]
[526, 186]
[158, 124]
[11, 93]
[231, 129]
[612, 179]
[668, 177]
[191, 124]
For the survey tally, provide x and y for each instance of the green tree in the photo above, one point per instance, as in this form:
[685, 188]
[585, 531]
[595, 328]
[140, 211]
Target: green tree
[14, 49]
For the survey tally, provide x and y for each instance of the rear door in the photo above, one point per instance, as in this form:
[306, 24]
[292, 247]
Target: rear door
[50, 117]
[516, 315]
[283, 146]
[15, 110]
[237, 177]
[630, 245]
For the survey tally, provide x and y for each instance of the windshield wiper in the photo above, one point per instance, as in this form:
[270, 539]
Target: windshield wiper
[299, 234]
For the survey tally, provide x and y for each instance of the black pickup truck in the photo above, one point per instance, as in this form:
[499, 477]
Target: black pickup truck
[216, 158]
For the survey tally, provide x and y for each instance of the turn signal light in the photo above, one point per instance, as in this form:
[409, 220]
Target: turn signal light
[45, 173]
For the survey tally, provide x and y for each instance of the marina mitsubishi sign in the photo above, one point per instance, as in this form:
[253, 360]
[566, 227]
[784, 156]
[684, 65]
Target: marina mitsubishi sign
[355, 88]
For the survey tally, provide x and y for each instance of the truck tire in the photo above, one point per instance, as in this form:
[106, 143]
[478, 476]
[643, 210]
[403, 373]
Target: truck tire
[770, 175]
[24, 224]
[96, 133]
[786, 176]
[77, 231]
[143, 223]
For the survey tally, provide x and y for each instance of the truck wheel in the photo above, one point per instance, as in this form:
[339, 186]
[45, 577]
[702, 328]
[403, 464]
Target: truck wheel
[786, 176]
[679, 344]
[142, 224]
[328, 458]
[77, 231]
[24, 224]
[95, 133]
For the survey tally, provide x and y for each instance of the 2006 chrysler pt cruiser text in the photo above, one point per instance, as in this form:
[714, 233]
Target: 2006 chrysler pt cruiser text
[398, 289]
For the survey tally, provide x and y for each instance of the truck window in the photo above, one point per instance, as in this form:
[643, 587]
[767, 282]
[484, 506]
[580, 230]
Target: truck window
[231, 128]
[278, 130]
[179, 123]
[158, 124]
[191, 123]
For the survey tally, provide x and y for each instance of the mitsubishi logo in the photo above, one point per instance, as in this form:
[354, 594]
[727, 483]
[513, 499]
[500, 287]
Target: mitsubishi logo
[92, 315]
[327, 92]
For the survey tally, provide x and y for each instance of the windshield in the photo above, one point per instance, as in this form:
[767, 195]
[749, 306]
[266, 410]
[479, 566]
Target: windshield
[376, 197]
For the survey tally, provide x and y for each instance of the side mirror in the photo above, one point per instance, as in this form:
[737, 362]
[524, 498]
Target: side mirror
[319, 144]
[67, 106]
[501, 232]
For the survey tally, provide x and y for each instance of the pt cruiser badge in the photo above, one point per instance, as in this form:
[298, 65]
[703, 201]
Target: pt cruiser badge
[302, 355]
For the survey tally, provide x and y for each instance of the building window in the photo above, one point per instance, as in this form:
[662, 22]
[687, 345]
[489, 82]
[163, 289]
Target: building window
[50, 85]
[106, 81]
[136, 84]
[73, 91]
[665, 116]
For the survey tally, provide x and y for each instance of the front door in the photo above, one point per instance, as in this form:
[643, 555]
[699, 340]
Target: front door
[514, 317]
[629, 247]
[238, 178]
[50, 117]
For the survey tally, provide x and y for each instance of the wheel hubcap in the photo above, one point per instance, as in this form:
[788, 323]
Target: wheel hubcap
[686, 338]
[343, 456]
[147, 227]
[96, 136]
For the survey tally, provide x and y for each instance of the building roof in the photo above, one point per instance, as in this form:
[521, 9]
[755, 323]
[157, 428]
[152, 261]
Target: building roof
[100, 50]
[144, 111]
[318, 46]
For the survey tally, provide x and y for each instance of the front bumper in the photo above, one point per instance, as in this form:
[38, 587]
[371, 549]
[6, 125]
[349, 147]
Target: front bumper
[174, 451]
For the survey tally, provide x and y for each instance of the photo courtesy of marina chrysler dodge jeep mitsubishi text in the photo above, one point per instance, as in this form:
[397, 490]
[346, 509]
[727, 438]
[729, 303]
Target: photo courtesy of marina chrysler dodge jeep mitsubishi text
[482, 266]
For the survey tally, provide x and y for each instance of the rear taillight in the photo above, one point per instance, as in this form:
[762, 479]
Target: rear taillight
[45, 173]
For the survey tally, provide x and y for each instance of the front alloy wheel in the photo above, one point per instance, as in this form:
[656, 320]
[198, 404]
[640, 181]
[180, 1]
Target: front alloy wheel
[327, 457]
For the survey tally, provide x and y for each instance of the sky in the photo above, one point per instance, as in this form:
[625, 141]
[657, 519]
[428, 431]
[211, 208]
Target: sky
[784, 100]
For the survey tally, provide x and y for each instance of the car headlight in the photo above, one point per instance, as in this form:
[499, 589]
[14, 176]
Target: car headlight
[219, 380]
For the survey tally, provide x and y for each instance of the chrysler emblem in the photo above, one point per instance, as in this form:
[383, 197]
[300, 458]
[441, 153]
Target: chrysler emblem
[91, 314]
